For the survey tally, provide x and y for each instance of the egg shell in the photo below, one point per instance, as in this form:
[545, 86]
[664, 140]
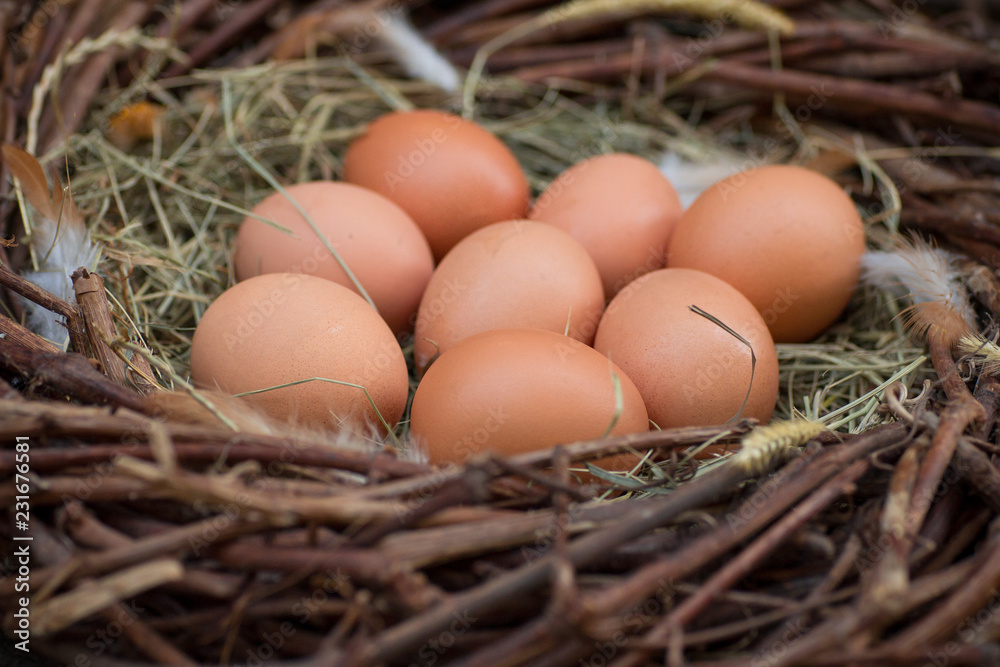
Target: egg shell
[509, 275]
[377, 240]
[511, 391]
[689, 370]
[451, 175]
[788, 238]
[278, 328]
[620, 207]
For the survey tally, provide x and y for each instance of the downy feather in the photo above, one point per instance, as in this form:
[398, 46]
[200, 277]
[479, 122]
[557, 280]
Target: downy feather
[930, 277]
[691, 178]
[416, 55]
[59, 239]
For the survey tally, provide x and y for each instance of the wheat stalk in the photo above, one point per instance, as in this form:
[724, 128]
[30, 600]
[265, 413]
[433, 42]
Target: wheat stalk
[765, 443]
[985, 352]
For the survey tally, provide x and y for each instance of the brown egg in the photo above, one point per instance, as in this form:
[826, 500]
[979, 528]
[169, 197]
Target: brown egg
[789, 238]
[377, 240]
[279, 328]
[451, 175]
[689, 370]
[509, 275]
[620, 207]
[512, 391]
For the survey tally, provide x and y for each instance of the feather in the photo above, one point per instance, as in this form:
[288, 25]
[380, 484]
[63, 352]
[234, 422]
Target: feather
[357, 28]
[415, 54]
[59, 239]
[26, 169]
[691, 178]
[931, 278]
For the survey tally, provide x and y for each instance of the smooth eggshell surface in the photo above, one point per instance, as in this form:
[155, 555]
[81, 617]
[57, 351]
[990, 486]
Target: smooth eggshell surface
[689, 370]
[451, 175]
[279, 328]
[512, 391]
[788, 238]
[509, 275]
[377, 240]
[620, 207]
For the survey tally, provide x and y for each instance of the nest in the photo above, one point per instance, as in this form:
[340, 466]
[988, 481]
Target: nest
[863, 532]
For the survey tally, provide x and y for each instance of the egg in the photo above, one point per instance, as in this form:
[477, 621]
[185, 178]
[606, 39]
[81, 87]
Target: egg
[788, 238]
[378, 241]
[279, 328]
[451, 175]
[620, 207]
[509, 274]
[689, 370]
[511, 391]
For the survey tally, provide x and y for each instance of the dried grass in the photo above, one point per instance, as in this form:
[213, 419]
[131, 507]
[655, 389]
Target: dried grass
[169, 210]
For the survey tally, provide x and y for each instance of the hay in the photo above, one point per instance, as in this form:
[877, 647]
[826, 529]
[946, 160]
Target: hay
[170, 210]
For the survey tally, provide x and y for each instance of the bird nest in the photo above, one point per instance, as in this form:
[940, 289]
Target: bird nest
[860, 528]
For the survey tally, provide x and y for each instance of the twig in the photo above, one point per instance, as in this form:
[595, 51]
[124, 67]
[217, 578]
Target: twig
[31, 292]
[100, 326]
[70, 374]
[24, 337]
[738, 567]
[856, 94]
[962, 411]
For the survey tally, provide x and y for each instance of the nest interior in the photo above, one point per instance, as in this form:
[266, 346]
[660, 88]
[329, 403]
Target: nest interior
[183, 541]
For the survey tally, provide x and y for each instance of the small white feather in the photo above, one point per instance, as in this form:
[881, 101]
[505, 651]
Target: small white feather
[60, 250]
[922, 272]
[59, 241]
[415, 54]
[691, 178]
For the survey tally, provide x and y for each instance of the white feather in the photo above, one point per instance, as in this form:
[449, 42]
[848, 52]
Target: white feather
[60, 250]
[922, 272]
[415, 54]
[691, 178]
[59, 241]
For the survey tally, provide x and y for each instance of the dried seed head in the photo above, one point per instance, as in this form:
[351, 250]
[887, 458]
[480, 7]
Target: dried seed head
[765, 443]
[985, 353]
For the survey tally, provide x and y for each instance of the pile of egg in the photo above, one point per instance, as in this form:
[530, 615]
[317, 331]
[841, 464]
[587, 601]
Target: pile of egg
[602, 308]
